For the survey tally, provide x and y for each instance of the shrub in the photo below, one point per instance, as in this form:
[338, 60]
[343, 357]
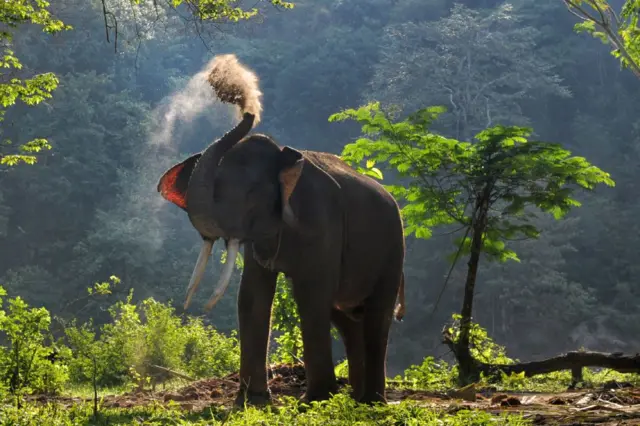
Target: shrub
[147, 334]
[207, 352]
[27, 365]
[286, 321]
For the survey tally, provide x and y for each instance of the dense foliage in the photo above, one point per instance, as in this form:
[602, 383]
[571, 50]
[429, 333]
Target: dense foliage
[126, 352]
[88, 209]
[30, 90]
[122, 352]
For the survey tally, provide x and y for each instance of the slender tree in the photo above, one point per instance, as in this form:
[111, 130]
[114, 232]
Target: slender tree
[490, 188]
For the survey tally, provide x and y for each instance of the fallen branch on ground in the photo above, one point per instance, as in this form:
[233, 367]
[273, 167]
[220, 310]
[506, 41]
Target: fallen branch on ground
[574, 361]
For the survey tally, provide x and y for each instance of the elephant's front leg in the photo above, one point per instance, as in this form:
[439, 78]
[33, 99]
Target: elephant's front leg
[313, 297]
[255, 298]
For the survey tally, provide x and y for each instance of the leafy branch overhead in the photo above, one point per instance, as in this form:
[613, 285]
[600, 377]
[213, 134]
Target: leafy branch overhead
[443, 179]
[13, 87]
[599, 19]
[147, 13]
[214, 10]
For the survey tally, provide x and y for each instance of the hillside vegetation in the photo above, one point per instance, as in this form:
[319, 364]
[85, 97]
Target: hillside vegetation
[507, 131]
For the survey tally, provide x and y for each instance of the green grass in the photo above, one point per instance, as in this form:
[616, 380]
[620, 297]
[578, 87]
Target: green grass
[559, 381]
[340, 410]
[85, 390]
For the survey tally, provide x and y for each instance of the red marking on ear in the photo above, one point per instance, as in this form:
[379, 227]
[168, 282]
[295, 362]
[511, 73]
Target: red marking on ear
[168, 188]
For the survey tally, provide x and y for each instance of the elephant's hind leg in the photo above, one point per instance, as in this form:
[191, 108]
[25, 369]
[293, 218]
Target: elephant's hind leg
[378, 315]
[352, 335]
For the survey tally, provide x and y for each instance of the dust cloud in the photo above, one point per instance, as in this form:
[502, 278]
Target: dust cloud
[142, 216]
[185, 105]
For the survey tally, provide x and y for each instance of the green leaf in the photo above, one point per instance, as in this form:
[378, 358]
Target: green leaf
[442, 176]
[586, 26]
[423, 233]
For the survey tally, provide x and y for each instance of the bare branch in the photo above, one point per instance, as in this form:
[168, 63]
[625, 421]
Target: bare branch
[106, 24]
[586, 15]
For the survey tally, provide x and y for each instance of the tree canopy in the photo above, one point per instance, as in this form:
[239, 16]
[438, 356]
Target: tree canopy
[87, 212]
[14, 86]
[620, 29]
[443, 179]
[480, 63]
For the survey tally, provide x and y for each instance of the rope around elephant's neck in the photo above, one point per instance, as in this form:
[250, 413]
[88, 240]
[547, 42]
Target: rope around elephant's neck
[271, 263]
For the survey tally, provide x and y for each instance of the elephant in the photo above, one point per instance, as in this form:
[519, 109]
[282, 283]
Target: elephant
[336, 234]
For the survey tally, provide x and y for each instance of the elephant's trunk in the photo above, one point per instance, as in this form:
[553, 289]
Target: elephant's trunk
[233, 83]
[200, 191]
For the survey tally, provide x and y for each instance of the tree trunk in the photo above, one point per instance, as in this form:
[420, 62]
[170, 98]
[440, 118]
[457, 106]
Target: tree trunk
[468, 371]
[94, 382]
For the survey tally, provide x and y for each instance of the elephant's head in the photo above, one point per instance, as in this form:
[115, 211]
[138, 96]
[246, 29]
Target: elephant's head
[236, 189]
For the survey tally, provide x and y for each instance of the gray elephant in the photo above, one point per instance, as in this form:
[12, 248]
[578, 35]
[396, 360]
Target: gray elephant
[335, 233]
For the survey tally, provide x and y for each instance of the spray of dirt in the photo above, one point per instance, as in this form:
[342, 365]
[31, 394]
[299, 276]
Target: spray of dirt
[142, 214]
[184, 106]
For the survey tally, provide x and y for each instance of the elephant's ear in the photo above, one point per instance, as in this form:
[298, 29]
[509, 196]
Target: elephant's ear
[291, 163]
[174, 182]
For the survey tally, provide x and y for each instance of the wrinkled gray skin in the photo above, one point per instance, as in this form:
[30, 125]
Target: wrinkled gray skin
[339, 238]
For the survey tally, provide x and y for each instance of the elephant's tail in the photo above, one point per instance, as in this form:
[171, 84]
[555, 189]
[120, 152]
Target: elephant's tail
[400, 309]
[236, 84]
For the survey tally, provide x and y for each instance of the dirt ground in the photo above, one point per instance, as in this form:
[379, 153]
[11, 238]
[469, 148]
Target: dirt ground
[614, 404]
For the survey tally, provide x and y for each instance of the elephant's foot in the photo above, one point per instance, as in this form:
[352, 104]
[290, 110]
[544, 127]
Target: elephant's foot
[319, 394]
[371, 398]
[356, 395]
[248, 397]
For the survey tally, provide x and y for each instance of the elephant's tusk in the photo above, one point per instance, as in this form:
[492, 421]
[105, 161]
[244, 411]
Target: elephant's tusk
[198, 270]
[225, 276]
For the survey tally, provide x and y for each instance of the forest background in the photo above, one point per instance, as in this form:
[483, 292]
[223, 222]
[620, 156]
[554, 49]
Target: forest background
[89, 209]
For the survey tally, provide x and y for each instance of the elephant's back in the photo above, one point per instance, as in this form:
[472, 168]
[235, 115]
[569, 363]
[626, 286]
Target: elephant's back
[374, 237]
[360, 192]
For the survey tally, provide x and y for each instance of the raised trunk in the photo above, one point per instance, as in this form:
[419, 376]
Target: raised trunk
[201, 208]
[200, 192]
